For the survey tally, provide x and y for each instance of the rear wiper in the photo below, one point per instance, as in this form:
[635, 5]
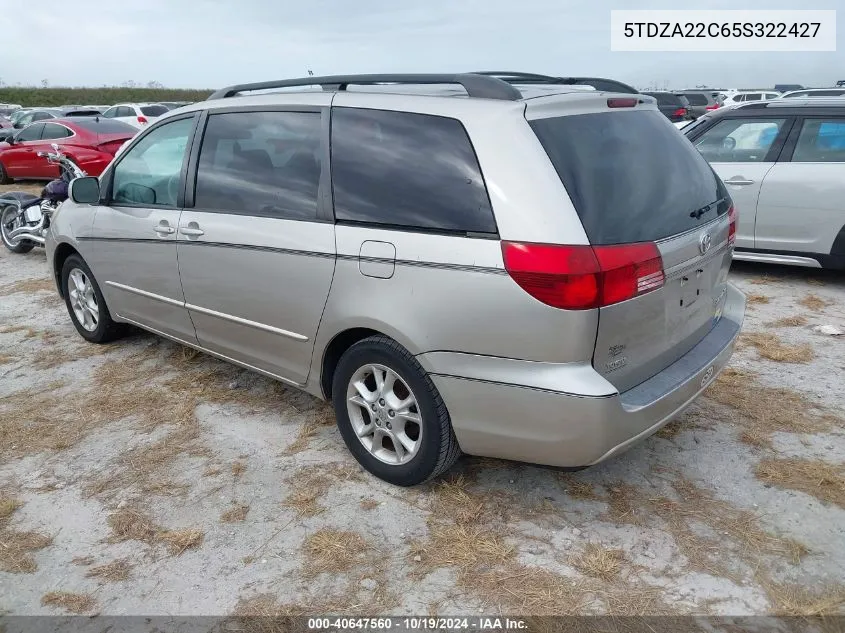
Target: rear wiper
[705, 209]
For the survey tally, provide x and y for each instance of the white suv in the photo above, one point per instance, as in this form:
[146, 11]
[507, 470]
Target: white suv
[136, 114]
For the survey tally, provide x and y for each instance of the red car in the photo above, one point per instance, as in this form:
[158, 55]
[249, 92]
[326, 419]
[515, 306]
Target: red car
[91, 142]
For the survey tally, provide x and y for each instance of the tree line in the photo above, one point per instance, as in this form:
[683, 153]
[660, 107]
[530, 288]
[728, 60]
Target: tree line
[45, 97]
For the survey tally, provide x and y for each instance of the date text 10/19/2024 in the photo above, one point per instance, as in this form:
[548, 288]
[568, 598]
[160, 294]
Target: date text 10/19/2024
[417, 624]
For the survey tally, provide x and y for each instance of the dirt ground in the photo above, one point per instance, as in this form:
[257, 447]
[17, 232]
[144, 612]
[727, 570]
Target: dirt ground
[142, 478]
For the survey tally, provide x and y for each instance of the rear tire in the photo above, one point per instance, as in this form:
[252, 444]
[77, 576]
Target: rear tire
[4, 177]
[85, 303]
[19, 247]
[400, 432]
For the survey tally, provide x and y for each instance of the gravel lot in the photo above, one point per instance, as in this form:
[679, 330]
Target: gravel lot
[141, 478]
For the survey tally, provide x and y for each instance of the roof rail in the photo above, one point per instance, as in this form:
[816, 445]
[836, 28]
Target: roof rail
[476, 85]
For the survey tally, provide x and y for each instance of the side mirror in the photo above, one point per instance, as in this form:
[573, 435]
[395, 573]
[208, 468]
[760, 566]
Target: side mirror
[17, 125]
[85, 190]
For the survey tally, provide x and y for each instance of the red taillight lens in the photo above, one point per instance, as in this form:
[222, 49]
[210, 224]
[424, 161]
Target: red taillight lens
[733, 216]
[584, 277]
[680, 112]
[621, 103]
[715, 106]
[142, 119]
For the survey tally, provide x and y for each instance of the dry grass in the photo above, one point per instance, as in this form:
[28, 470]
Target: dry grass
[763, 410]
[772, 347]
[308, 485]
[764, 280]
[68, 354]
[797, 320]
[814, 302]
[307, 431]
[11, 329]
[333, 551]
[238, 469]
[83, 561]
[8, 505]
[16, 550]
[266, 614]
[178, 541]
[5, 359]
[576, 488]
[70, 602]
[115, 571]
[671, 430]
[811, 476]
[235, 514]
[29, 286]
[369, 504]
[519, 589]
[799, 601]
[756, 298]
[599, 561]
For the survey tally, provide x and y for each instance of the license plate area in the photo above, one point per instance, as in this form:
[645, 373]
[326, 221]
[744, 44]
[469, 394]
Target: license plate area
[691, 283]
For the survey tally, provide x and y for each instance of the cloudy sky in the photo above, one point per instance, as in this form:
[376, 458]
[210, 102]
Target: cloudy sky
[210, 43]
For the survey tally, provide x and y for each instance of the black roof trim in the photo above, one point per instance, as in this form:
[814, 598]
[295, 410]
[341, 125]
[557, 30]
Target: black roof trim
[476, 85]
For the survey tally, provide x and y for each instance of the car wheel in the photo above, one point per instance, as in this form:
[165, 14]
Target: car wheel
[4, 177]
[85, 303]
[391, 415]
[9, 221]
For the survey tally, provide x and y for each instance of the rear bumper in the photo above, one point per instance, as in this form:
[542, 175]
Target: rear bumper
[568, 415]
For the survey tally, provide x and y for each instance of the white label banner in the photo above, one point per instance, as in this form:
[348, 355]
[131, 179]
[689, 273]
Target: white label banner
[709, 30]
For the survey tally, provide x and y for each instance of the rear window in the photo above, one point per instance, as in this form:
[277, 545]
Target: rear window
[82, 113]
[153, 110]
[407, 170]
[105, 126]
[696, 99]
[631, 176]
[665, 98]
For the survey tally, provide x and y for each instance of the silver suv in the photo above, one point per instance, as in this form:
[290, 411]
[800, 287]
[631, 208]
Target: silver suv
[523, 271]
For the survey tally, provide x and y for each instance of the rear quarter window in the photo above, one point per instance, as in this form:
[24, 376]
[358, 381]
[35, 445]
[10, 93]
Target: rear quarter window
[407, 170]
[630, 175]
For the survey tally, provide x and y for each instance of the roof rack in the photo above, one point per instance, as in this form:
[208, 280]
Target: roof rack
[477, 85]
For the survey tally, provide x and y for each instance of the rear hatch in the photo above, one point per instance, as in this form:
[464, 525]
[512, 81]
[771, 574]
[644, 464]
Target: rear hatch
[111, 134]
[657, 214]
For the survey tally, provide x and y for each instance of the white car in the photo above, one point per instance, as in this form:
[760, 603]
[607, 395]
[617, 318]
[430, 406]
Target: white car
[734, 99]
[814, 92]
[136, 114]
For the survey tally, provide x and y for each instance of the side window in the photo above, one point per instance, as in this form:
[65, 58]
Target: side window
[771, 95]
[110, 113]
[41, 116]
[755, 96]
[803, 93]
[149, 173]
[821, 141]
[260, 163]
[54, 130]
[124, 111]
[407, 170]
[739, 140]
[31, 133]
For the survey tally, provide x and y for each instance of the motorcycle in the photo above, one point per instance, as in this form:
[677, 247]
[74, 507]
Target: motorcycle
[25, 218]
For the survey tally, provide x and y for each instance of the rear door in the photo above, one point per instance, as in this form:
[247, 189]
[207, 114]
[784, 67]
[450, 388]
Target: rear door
[256, 244]
[635, 183]
[802, 201]
[742, 151]
[52, 133]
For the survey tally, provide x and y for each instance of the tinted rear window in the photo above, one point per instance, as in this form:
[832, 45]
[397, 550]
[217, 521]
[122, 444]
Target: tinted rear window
[407, 170]
[631, 176]
[696, 99]
[665, 98]
[153, 110]
[105, 126]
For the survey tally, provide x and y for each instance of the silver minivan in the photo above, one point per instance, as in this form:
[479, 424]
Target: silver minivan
[460, 263]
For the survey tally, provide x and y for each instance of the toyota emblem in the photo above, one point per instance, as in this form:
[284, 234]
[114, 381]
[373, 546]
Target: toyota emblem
[704, 242]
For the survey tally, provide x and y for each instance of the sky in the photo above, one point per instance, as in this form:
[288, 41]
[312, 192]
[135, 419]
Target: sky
[213, 43]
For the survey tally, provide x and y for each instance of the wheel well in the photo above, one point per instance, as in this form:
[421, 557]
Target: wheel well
[63, 251]
[335, 349]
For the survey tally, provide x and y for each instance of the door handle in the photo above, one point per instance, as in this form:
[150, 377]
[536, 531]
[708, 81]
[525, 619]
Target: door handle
[193, 231]
[739, 181]
[164, 229]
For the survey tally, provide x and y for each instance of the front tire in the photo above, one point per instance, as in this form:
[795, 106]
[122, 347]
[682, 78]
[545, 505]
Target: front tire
[4, 177]
[85, 303]
[391, 415]
[8, 222]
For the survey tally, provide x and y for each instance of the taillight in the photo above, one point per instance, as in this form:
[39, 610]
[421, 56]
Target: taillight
[714, 106]
[680, 112]
[732, 218]
[584, 277]
[142, 119]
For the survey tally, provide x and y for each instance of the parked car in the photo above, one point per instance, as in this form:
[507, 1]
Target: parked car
[90, 142]
[673, 106]
[840, 83]
[734, 99]
[172, 105]
[783, 162]
[814, 93]
[375, 208]
[136, 114]
[701, 101]
[788, 87]
[5, 122]
[44, 114]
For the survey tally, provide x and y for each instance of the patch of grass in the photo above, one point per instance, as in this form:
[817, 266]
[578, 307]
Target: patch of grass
[8, 505]
[131, 524]
[238, 469]
[753, 298]
[115, 571]
[16, 550]
[178, 541]
[599, 561]
[69, 354]
[6, 359]
[70, 602]
[266, 614]
[308, 486]
[521, 589]
[307, 431]
[811, 476]
[235, 514]
[10, 329]
[764, 280]
[576, 488]
[670, 431]
[797, 320]
[801, 601]
[814, 302]
[369, 504]
[771, 347]
[83, 561]
[29, 286]
[333, 551]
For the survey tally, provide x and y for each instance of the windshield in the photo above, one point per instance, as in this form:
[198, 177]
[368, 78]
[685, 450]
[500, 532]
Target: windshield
[631, 175]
